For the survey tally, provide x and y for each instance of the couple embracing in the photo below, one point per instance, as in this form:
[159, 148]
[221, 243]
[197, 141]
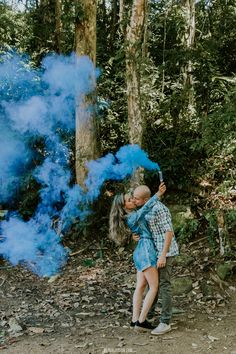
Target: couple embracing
[150, 223]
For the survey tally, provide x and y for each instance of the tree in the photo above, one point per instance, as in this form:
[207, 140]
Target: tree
[135, 33]
[188, 38]
[86, 130]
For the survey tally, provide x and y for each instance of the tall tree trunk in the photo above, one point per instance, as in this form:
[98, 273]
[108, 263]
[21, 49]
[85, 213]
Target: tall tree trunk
[85, 44]
[135, 35]
[188, 39]
[121, 17]
[58, 26]
[85, 28]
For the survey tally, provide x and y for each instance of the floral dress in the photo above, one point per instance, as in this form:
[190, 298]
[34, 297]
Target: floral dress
[144, 255]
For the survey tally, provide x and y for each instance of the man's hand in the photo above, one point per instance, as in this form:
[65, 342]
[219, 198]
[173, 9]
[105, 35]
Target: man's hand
[161, 190]
[161, 263]
[135, 237]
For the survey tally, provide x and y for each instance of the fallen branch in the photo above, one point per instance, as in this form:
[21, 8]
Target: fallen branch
[201, 239]
[81, 251]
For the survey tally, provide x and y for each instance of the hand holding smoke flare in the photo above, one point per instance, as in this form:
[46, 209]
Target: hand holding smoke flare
[29, 110]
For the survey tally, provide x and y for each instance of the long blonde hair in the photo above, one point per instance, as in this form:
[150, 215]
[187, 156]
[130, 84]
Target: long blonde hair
[118, 231]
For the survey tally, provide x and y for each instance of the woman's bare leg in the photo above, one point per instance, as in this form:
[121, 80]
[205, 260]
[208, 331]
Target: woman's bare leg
[151, 276]
[138, 295]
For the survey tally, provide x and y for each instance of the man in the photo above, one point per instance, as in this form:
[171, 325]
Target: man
[160, 224]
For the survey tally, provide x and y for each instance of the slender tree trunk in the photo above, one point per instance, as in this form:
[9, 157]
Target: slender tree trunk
[164, 45]
[135, 36]
[58, 26]
[145, 33]
[188, 39]
[86, 132]
[121, 18]
[133, 62]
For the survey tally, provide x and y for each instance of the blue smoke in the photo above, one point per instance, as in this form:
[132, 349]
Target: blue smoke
[116, 167]
[41, 103]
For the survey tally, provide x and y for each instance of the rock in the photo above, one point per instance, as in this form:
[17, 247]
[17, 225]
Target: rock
[194, 345]
[83, 345]
[37, 330]
[224, 270]
[180, 213]
[181, 286]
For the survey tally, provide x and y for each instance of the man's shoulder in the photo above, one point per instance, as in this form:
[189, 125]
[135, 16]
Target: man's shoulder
[159, 205]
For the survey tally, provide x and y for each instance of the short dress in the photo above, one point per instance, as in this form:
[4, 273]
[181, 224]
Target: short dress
[145, 254]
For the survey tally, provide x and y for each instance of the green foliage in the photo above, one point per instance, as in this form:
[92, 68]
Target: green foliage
[212, 228]
[113, 116]
[88, 262]
[230, 219]
[187, 230]
[13, 31]
[189, 149]
[218, 142]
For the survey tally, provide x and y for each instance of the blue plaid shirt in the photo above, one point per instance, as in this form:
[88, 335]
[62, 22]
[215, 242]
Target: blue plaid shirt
[159, 221]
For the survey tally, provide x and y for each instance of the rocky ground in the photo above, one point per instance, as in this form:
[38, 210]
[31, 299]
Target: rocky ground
[87, 308]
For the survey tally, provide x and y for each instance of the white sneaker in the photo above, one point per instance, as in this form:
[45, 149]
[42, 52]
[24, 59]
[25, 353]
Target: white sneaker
[161, 329]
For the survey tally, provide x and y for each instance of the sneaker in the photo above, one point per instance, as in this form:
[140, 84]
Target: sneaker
[161, 329]
[143, 326]
[132, 324]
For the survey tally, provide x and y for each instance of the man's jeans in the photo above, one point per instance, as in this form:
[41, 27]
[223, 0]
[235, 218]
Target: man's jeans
[164, 294]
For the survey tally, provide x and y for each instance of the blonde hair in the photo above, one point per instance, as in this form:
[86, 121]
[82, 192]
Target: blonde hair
[118, 231]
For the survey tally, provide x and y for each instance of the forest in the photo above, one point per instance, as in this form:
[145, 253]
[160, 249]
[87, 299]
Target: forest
[165, 80]
[96, 96]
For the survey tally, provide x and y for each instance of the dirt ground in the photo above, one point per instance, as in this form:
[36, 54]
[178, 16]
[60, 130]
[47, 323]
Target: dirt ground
[87, 309]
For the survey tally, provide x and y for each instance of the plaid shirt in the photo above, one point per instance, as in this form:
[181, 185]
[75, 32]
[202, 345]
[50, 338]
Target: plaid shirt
[159, 221]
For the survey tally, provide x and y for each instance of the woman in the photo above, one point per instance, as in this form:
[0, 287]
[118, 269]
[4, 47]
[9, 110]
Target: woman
[123, 213]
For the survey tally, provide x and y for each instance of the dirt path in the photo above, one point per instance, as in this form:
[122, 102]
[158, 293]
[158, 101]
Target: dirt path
[88, 309]
[199, 334]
